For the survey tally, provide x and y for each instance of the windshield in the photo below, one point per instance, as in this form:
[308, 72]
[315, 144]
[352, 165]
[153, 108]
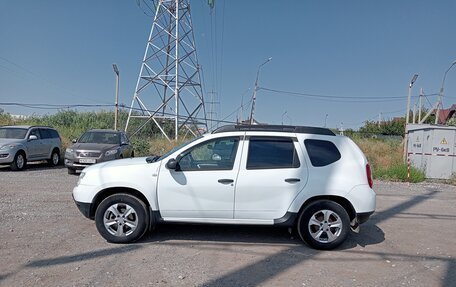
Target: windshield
[12, 133]
[178, 147]
[100, 137]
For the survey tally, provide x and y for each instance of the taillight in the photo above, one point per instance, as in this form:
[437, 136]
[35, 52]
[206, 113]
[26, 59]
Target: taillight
[369, 175]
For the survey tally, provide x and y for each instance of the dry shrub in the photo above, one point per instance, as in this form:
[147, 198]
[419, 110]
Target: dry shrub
[380, 153]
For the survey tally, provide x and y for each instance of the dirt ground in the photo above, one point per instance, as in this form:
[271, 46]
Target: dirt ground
[45, 241]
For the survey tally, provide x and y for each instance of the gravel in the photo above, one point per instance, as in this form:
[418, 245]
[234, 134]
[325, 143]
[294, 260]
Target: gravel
[45, 241]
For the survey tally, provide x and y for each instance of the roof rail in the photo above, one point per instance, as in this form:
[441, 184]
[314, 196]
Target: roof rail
[275, 128]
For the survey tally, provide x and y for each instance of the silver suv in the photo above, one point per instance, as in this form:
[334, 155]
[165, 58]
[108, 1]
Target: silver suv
[20, 144]
[97, 145]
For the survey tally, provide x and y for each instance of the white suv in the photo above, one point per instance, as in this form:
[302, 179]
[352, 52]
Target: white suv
[294, 176]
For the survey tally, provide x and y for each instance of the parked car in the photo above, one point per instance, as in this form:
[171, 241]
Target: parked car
[96, 146]
[293, 176]
[22, 144]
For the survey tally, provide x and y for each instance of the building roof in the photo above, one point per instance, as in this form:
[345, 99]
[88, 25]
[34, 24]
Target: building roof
[446, 114]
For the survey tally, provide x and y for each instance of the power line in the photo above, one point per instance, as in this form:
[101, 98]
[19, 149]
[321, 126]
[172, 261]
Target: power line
[335, 98]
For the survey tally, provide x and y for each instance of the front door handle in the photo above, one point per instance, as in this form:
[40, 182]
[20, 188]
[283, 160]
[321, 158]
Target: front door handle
[292, 180]
[225, 181]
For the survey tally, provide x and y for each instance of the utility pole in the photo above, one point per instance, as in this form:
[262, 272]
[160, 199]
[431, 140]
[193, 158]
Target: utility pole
[379, 119]
[420, 104]
[414, 113]
[408, 115]
[283, 116]
[326, 119]
[252, 112]
[116, 113]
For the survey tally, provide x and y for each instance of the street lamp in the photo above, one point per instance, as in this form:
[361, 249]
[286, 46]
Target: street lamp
[116, 114]
[412, 81]
[252, 112]
[441, 92]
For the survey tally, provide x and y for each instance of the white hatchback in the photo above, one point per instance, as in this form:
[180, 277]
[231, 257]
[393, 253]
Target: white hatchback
[294, 176]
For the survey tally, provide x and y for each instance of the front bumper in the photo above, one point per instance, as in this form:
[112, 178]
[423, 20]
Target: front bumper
[80, 163]
[6, 157]
[85, 208]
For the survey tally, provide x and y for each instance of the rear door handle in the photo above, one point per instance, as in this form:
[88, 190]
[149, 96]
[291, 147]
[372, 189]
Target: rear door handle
[292, 180]
[225, 181]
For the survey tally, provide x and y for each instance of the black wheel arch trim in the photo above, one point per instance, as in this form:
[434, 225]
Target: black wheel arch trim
[114, 190]
[345, 203]
[288, 220]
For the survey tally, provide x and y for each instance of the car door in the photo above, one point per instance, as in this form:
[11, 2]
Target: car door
[270, 177]
[202, 185]
[34, 146]
[46, 143]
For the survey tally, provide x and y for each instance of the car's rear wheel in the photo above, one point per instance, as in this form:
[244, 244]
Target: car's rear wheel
[55, 158]
[121, 218]
[19, 161]
[323, 224]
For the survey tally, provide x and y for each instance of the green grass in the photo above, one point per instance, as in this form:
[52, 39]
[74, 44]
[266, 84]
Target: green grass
[398, 173]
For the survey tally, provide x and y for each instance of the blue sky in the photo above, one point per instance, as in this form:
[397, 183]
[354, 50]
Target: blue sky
[61, 52]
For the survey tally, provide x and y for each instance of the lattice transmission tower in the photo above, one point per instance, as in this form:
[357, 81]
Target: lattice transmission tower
[169, 89]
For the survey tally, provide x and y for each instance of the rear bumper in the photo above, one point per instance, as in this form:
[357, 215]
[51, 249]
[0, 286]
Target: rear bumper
[363, 217]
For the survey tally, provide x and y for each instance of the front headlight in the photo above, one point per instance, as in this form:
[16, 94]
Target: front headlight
[69, 150]
[111, 152]
[8, 146]
[81, 176]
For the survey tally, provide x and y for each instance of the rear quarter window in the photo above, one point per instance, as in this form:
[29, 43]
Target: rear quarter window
[321, 152]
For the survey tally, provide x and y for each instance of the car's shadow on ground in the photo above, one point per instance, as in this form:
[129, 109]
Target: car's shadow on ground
[33, 166]
[369, 234]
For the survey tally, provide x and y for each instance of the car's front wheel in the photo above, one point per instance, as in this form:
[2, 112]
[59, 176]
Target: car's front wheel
[19, 161]
[121, 218]
[324, 224]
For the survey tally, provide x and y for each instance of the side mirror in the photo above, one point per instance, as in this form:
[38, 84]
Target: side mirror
[74, 140]
[123, 143]
[32, 138]
[171, 164]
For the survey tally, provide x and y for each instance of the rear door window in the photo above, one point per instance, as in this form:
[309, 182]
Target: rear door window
[321, 152]
[272, 153]
[45, 134]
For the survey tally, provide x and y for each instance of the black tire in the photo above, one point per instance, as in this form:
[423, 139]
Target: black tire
[114, 222]
[132, 154]
[55, 158]
[71, 171]
[19, 162]
[324, 224]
